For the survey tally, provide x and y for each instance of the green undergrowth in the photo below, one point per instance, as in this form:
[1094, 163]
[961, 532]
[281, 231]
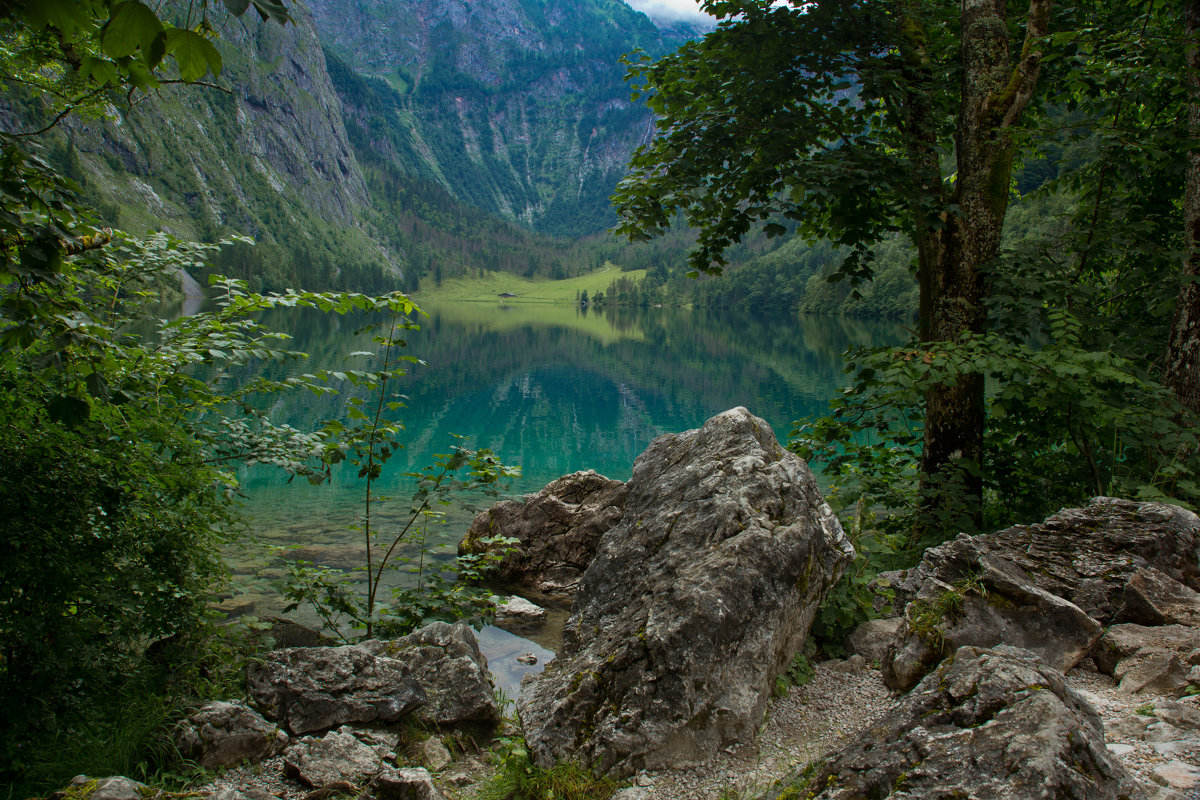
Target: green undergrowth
[517, 778]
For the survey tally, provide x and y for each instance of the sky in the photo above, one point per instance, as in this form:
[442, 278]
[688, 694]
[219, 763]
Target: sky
[672, 9]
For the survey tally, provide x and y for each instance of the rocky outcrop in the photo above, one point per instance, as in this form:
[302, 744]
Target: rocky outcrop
[436, 673]
[1083, 555]
[557, 530]
[692, 605]
[995, 604]
[446, 662]
[518, 108]
[1047, 587]
[315, 688]
[221, 734]
[994, 723]
[1161, 659]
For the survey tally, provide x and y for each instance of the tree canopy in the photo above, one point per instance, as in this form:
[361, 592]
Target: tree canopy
[856, 122]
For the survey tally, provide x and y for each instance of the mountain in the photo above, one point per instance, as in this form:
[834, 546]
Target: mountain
[515, 106]
[374, 142]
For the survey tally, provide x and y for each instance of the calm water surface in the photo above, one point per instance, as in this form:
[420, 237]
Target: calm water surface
[551, 388]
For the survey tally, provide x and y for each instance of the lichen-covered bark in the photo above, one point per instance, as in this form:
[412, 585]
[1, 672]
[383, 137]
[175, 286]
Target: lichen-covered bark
[996, 90]
[1182, 370]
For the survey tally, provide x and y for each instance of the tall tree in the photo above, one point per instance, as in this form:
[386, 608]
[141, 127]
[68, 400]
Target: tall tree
[1182, 369]
[841, 116]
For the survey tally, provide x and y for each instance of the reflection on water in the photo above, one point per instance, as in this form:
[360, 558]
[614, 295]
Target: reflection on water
[548, 388]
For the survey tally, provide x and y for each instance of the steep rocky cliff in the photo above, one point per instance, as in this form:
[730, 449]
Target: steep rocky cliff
[266, 154]
[366, 144]
[515, 106]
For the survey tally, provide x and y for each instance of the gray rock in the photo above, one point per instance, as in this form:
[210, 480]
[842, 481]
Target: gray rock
[117, 787]
[871, 639]
[453, 674]
[1178, 714]
[222, 734]
[1084, 555]
[335, 757]
[1153, 598]
[1157, 659]
[558, 530]
[1121, 641]
[853, 665]
[996, 723]
[287, 633]
[1151, 671]
[314, 688]
[1176, 775]
[998, 604]
[518, 615]
[406, 784]
[692, 606]
[632, 793]
[434, 754]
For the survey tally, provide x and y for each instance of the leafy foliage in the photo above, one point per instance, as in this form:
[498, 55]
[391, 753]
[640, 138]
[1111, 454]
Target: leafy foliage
[517, 778]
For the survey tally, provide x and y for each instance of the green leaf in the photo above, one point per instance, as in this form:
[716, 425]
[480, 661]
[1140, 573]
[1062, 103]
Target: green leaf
[272, 10]
[237, 7]
[131, 26]
[194, 54]
[69, 16]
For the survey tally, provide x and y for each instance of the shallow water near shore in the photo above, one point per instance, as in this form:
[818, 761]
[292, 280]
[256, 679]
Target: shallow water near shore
[552, 393]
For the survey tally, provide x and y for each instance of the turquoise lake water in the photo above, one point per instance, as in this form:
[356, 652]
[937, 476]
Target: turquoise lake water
[551, 388]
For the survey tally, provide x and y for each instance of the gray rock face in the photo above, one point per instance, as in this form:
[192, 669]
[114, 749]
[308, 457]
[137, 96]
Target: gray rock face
[1152, 598]
[222, 734]
[1150, 659]
[997, 724]
[692, 605]
[1084, 555]
[871, 639]
[405, 784]
[335, 757]
[315, 688]
[999, 605]
[558, 530]
[453, 674]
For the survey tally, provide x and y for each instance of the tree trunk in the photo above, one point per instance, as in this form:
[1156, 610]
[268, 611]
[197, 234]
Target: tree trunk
[1182, 370]
[994, 96]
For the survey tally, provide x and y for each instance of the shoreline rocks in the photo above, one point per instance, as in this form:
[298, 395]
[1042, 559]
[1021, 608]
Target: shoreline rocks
[692, 605]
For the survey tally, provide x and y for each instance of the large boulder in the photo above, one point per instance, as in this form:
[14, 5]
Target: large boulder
[446, 662]
[221, 734]
[995, 723]
[996, 603]
[557, 530]
[692, 606]
[315, 688]
[437, 674]
[1084, 555]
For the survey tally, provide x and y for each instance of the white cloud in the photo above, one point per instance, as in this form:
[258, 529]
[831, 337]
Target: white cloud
[687, 10]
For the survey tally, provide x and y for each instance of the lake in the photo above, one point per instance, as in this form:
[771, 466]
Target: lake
[551, 388]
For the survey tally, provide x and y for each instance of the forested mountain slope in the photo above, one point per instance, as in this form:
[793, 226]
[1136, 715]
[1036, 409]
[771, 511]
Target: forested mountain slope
[264, 154]
[488, 120]
[515, 106]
